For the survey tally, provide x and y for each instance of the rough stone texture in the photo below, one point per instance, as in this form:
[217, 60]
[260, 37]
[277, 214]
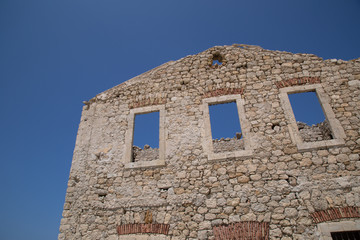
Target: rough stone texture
[227, 144]
[277, 184]
[146, 154]
[318, 132]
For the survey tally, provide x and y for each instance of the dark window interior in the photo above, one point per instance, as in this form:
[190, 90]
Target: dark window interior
[350, 235]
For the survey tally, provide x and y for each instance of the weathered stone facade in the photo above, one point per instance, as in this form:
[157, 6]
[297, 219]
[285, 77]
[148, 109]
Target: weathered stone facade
[276, 186]
[318, 132]
[227, 145]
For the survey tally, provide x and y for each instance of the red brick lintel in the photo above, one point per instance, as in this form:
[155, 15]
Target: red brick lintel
[335, 213]
[297, 81]
[223, 91]
[228, 91]
[143, 228]
[147, 102]
[242, 230]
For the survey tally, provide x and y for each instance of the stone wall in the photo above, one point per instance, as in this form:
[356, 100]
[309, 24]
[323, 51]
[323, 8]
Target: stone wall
[317, 132]
[145, 154]
[228, 145]
[275, 184]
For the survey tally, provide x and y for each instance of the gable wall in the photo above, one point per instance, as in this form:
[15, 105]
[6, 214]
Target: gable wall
[277, 183]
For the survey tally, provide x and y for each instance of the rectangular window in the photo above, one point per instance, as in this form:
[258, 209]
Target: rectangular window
[310, 117]
[145, 137]
[226, 130]
[225, 127]
[339, 230]
[350, 235]
[312, 123]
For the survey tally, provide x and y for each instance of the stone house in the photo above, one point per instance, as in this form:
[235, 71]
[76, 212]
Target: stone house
[275, 180]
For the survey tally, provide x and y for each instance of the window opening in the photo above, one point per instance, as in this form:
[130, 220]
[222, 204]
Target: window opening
[350, 235]
[310, 118]
[329, 131]
[225, 127]
[217, 59]
[146, 137]
[217, 149]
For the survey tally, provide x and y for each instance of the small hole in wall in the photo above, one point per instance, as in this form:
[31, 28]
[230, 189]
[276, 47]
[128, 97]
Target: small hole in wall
[216, 62]
[275, 126]
[291, 180]
[76, 179]
[164, 189]
[102, 196]
[217, 59]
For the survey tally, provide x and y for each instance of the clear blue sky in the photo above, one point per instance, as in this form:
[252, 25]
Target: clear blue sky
[56, 53]
[306, 108]
[224, 120]
[146, 130]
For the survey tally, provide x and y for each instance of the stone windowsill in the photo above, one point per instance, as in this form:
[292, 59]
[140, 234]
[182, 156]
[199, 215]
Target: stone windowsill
[229, 155]
[145, 164]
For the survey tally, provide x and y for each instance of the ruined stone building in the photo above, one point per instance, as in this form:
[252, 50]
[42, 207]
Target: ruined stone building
[276, 179]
